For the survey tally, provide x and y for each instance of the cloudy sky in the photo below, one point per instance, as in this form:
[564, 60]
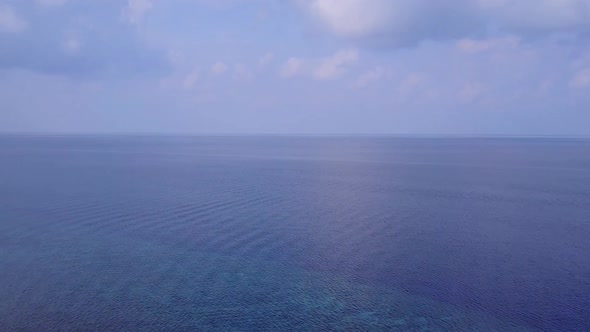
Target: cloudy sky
[475, 67]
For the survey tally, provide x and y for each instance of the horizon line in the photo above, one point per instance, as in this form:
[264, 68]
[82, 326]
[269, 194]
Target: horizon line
[270, 134]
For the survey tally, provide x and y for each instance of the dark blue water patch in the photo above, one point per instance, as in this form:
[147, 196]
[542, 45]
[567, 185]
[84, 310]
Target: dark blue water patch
[294, 233]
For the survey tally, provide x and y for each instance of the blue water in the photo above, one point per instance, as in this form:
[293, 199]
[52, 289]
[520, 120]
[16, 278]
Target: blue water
[294, 234]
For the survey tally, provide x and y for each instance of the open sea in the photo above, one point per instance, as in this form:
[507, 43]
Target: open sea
[278, 233]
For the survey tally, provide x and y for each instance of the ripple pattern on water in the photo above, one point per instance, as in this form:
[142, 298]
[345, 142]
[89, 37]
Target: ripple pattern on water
[362, 235]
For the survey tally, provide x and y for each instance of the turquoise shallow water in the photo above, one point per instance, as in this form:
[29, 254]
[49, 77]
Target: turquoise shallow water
[308, 234]
[58, 282]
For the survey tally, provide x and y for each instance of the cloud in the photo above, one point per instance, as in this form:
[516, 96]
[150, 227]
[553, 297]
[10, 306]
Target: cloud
[370, 76]
[191, 79]
[219, 68]
[468, 45]
[412, 82]
[581, 79]
[470, 92]
[326, 68]
[266, 59]
[538, 15]
[241, 72]
[350, 18]
[335, 65]
[10, 22]
[103, 44]
[292, 67]
[136, 10]
[398, 23]
[71, 46]
[51, 3]
[392, 23]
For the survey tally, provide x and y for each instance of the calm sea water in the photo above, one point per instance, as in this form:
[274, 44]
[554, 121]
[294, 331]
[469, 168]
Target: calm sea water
[294, 233]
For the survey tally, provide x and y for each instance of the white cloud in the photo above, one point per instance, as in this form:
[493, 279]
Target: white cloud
[241, 72]
[404, 22]
[51, 3]
[71, 46]
[335, 65]
[470, 92]
[266, 59]
[292, 67]
[136, 10]
[191, 79]
[10, 22]
[352, 18]
[412, 82]
[370, 76]
[327, 68]
[219, 68]
[468, 45]
[581, 79]
[396, 23]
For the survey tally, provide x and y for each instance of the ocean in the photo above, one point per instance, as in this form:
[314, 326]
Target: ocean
[294, 233]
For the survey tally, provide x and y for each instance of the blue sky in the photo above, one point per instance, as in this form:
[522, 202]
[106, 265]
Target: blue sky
[467, 67]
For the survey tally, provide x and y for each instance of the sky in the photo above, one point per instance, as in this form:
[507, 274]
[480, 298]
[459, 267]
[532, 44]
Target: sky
[458, 67]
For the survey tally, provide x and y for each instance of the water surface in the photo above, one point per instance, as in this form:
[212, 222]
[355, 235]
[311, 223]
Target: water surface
[294, 233]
